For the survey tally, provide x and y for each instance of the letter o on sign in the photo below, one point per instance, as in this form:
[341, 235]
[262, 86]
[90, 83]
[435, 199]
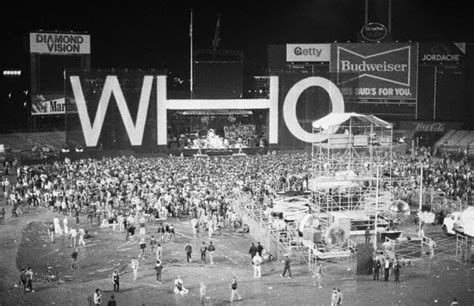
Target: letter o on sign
[289, 106]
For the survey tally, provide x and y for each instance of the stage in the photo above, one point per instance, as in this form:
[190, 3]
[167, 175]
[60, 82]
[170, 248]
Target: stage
[217, 152]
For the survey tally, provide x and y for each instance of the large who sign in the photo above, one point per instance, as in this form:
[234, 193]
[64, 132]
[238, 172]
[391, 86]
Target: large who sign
[92, 122]
[376, 71]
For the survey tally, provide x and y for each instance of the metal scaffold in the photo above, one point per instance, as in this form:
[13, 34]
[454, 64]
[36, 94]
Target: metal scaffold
[351, 179]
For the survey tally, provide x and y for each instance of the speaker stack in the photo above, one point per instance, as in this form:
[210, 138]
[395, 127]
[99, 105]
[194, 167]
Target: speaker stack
[365, 252]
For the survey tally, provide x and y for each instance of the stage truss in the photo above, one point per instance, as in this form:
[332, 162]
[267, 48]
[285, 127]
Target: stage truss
[351, 177]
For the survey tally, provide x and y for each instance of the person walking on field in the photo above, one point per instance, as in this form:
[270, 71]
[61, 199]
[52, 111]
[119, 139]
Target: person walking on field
[74, 256]
[211, 248]
[189, 251]
[367, 235]
[2, 216]
[387, 268]
[159, 252]
[142, 248]
[396, 271]
[51, 231]
[376, 268]
[234, 293]
[134, 265]
[202, 293]
[97, 297]
[142, 222]
[116, 281]
[73, 238]
[336, 297]
[23, 279]
[158, 269]
[252, 251]
[286, 266]
[179, 287]
[29, 280]
[257, 266]
[259, 249]
[81, 233]
[318, 275]
[203, 252]
[153, 244]
[66, 228]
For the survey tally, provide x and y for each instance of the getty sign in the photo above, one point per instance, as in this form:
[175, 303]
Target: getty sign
[92, 127]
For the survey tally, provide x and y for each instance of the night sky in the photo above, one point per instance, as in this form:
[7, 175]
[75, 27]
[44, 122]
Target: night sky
[156, 34]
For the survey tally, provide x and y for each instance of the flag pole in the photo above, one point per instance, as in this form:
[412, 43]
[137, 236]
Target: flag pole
[191, 85]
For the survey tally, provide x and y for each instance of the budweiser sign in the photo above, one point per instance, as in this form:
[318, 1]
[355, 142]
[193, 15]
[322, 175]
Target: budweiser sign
[375, 71]
[377, 65]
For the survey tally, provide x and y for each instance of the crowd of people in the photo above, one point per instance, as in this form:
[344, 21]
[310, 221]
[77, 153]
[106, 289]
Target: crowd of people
[162, 187]
[123, 192]
[451, 177]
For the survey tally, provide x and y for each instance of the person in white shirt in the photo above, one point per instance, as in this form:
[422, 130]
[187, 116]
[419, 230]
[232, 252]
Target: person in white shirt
[57, 226]
[179, 287]
[66, 229]
[134, 265]
[257, 266]
[97, 297]
[318, 275]
[81, 233]
[142, 225]
[202, 293]
[73, 241]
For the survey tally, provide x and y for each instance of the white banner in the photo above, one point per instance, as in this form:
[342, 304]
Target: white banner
[60, 43]
[308, 52]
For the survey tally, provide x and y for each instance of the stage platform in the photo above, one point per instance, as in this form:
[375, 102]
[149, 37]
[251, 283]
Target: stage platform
[216, 152]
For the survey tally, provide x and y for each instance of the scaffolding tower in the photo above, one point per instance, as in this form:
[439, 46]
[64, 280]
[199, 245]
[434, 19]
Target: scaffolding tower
[351, 175]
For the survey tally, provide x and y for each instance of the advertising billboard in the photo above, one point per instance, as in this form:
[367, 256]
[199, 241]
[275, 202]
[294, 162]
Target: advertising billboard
[51, 54]
[60, 43]
[442, 53]
[48, 105]
[308, 52]
[383, 71]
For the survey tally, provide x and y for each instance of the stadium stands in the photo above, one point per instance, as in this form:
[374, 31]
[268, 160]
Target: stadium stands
[456, 141]
[23, 142]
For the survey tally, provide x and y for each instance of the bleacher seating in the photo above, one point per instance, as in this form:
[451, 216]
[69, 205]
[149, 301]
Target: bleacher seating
[455, 141]
[23, 142]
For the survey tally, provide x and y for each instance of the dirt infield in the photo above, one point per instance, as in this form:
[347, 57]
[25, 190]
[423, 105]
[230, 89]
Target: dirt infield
[24, 242]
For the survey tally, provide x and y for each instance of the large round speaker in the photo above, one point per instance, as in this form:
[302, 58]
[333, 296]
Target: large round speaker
[335, 236]
[399, 208]
[308, 221]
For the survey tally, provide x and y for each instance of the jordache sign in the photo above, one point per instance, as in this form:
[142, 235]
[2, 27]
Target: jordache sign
[111, 91]
[376, 71]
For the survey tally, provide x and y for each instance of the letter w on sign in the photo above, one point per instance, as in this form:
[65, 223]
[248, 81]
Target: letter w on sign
[112, 87]
[392, 66]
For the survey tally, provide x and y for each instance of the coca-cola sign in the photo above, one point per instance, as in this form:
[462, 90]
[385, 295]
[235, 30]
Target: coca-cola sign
[374, 31]
[435, 127]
